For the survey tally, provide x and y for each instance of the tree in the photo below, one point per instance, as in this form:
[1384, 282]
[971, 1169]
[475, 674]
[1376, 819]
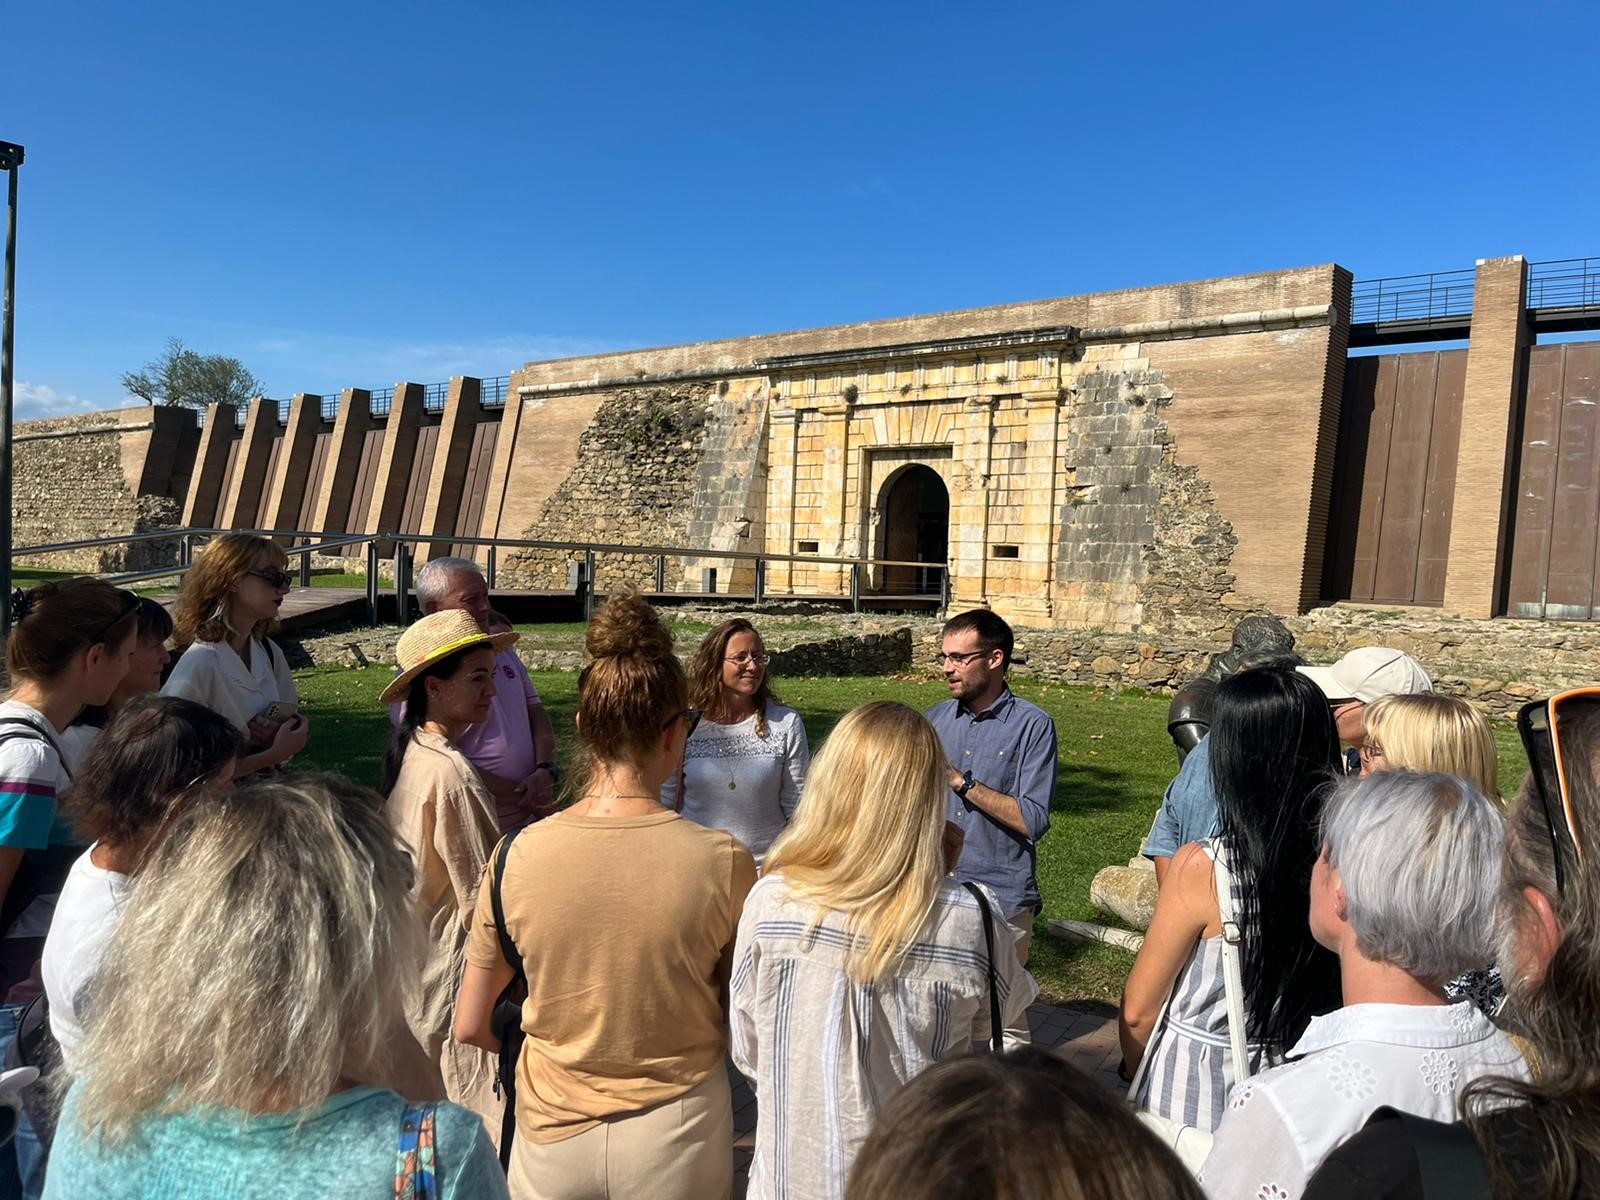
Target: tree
[180, 376]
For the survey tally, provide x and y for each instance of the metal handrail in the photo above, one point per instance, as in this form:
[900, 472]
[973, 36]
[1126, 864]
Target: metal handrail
[1441, 295]
[183, 568]
[1564, 283]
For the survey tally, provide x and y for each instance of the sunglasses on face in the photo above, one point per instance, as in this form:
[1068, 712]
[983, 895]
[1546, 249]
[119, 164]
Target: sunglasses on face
[1540, 725]
[277, 579]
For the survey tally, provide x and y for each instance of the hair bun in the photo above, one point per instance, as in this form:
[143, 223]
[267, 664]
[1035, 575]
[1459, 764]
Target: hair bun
[627, 625]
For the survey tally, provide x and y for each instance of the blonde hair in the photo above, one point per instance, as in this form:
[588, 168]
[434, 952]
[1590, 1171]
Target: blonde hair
[260, 958]
[201, 613]
[867, 839]
[1439, 734]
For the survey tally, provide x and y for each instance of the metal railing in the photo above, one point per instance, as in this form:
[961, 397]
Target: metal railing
[1443, 297]
[1567, 283]
[434, 396]
[851, 572]
[382, 401]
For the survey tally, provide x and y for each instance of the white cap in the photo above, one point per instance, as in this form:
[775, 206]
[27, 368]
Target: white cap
[1369, 674]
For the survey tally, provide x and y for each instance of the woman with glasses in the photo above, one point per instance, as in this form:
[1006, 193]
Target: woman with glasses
[228, 601]
[1535, 1139]
[623, 915]
[745, 766]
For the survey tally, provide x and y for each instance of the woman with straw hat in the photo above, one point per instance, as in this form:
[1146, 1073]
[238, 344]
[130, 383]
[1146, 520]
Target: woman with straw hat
[446, 818]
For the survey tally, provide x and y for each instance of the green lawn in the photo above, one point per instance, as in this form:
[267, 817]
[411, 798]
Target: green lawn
[1115, 763]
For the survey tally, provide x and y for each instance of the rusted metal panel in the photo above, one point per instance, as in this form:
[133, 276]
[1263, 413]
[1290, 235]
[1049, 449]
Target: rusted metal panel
[1438, 500]
[421, 479]
[1369, 518]
[1405, 479]
[1355, 418]
[267, 481]
[1569, 579]
[1536, 480]
[366, 480]
[485, 435]
[319, 462]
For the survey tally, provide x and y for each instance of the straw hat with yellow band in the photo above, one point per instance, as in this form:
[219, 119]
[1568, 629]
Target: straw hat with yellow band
[437, 636]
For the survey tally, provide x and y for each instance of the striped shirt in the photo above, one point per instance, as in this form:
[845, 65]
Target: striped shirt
[825, 1054]
[1188, 1066]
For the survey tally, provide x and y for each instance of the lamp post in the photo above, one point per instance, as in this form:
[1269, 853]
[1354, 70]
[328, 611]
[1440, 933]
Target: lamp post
[10, 159]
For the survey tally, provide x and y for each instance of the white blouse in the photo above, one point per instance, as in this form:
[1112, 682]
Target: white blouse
[1282, 1123]
[213, 674]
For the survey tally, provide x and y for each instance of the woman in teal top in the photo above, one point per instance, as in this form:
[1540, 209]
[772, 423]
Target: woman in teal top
[249, 1001]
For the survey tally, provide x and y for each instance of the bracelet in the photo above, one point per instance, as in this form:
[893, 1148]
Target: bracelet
[555, 771]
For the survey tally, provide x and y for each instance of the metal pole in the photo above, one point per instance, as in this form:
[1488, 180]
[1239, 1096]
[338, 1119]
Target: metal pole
[402, 569]
[944, 589]
[588, 584]
[488, 574]
[855, 587]
[661, 573]
[372, 583]
[761, 579]
[305, 570]
[11, 159]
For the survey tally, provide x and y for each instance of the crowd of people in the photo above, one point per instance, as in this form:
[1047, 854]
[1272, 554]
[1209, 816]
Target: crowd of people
[1365, 975]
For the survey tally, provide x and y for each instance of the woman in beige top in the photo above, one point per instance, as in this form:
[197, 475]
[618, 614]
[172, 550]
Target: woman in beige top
[624, 915]
[446, 818]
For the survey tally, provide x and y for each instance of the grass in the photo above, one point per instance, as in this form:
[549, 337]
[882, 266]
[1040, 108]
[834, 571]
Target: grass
[1115, 762]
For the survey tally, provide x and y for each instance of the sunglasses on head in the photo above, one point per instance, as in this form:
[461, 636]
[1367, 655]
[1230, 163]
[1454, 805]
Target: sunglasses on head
[1540, 724]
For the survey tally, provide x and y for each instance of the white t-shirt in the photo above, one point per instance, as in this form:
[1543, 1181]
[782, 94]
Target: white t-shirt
[213, 674]
[87, 913]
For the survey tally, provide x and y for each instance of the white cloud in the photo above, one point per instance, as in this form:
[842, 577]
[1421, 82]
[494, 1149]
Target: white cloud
[31, 401]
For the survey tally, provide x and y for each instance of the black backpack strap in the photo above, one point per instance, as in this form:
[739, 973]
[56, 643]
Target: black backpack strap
[1448, 1159]
[20, 728]
[507, 1004]
[995, 1028]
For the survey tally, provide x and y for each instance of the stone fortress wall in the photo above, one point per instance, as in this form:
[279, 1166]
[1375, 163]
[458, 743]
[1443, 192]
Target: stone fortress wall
[1145, 465]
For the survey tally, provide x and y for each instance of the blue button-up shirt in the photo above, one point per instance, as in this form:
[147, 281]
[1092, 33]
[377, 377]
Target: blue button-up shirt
[1188, 810]
[1009, 747]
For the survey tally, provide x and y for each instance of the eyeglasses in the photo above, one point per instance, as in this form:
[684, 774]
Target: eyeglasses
[1370, 750]
[1540, 725]
[691, 719]
[746, 658]
[277, 579]
[959, 660]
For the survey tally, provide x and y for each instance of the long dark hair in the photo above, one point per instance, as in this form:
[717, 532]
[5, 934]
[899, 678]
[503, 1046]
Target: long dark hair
[415, 713]
[1274, 753]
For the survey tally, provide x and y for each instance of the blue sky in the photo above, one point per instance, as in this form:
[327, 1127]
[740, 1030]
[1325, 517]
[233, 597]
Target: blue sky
[348, 194]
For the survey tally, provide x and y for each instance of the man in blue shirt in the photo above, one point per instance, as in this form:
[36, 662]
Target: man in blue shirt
[1002, 755]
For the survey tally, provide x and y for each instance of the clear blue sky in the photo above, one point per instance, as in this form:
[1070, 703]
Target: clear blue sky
[350, 194]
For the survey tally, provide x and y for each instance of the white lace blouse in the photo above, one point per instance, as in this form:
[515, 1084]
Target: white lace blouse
[1281, 1124]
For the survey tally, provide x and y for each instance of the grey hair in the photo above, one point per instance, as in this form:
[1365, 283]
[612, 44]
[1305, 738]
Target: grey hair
[432, 583]
[263, 954]
[1419, 856]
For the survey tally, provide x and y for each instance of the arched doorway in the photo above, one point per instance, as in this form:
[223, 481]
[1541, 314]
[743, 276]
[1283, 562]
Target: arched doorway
[915, 510]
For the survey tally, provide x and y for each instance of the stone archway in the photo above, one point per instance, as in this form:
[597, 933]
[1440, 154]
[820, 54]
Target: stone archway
[914, 525]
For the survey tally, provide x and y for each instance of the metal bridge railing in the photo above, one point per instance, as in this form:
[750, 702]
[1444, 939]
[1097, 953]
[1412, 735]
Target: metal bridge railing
[848, 578]
[1570, 283]
[1439, 297]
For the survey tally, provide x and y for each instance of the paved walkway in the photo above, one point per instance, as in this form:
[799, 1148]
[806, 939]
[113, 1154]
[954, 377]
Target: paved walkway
[1083, 1034]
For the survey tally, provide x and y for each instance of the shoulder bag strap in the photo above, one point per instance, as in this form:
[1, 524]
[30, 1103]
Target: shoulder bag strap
[1232, 972]
[995, 1027]
[1448, 1159]
[414, 1175]
[506, 1071]
[14, 727]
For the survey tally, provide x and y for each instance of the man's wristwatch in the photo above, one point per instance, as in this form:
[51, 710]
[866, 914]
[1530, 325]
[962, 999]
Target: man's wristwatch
[966, 784]
[555, 771]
